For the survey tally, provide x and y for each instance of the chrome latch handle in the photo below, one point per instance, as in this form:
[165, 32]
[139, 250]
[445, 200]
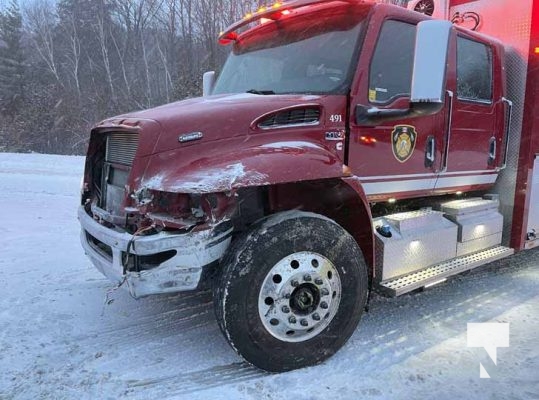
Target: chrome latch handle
[509, 118]
[430, 152]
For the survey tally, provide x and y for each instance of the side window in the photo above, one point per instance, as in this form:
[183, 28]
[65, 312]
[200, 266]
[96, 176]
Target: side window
[474, 71]
[390, 75]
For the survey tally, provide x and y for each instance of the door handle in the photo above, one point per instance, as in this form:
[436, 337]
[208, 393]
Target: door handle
[492, 151]
[430, 152]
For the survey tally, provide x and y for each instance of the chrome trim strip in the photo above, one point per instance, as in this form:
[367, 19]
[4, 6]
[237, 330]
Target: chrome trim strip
[448, 132]
[431, 175]
[386, 187]
[507, 131]
[280, 126]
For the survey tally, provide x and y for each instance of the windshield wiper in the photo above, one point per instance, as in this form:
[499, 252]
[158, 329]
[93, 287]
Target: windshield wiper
[262, 92]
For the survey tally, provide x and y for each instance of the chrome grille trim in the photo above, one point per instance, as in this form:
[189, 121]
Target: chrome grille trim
[121, 148]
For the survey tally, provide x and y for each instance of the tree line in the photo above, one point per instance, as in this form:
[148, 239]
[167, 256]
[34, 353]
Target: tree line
[66, 64]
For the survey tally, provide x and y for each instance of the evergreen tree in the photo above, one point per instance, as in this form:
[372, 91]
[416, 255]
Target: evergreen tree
[11, 60]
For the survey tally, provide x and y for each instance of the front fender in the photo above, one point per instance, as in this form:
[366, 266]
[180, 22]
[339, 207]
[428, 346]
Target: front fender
[220, 167]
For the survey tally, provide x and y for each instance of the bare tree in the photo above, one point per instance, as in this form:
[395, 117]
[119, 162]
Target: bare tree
[103, 35]
[73, 51]
[41, 20]
[104, 57]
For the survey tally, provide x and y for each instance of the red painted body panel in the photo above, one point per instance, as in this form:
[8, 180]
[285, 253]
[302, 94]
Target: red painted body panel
[243, 162]
[529, 145]
[233, 153]
[474, 123]
[472, 127]
[367, 159]
[460, 2]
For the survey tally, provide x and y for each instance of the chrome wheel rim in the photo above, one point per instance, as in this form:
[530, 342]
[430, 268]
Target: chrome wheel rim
[299, 297]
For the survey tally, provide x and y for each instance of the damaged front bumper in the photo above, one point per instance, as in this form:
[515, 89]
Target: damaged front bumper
[195, 252]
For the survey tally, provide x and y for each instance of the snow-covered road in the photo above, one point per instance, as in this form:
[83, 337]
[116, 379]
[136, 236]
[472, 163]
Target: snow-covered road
[58, 339]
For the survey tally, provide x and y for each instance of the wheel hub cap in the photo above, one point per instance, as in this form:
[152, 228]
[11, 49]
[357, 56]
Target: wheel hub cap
[305, 299]
[299, 297]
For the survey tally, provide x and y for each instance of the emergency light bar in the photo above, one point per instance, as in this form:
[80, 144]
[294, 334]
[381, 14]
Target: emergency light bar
[273, 13]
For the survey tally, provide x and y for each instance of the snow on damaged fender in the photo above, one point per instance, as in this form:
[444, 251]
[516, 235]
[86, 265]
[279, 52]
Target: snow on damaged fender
[209, 180]
[240, 163]
[185, 190]
[200, 198]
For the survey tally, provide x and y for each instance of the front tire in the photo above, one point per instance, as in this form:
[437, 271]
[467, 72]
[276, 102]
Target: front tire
[291, 292]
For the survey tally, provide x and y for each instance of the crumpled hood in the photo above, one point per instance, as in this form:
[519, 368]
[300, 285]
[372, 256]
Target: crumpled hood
[216, 117]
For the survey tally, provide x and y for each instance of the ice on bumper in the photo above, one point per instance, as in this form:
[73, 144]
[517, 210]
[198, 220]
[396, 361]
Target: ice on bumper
[194, 252]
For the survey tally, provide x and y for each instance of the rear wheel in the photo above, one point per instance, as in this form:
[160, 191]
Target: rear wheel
[291, 292]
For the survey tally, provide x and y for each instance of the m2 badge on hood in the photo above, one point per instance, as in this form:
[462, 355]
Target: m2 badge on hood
[403, 139]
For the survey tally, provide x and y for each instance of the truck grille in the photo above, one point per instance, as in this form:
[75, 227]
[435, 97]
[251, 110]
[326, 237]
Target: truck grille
[121, 148]
[111, 175]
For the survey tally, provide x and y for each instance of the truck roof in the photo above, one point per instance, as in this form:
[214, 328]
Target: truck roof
[281, 11]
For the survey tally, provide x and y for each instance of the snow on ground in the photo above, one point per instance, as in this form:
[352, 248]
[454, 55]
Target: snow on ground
[59, 341]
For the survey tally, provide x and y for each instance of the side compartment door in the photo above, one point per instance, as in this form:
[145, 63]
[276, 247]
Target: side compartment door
[476, 141]
[399, 158]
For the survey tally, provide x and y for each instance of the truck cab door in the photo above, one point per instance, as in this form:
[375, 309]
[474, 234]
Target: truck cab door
[476, 140]
[396, 158]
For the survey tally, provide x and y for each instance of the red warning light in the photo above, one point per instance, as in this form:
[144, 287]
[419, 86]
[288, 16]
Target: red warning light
[228, 38]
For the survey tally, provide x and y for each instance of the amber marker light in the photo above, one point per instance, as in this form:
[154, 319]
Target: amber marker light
[368, 140]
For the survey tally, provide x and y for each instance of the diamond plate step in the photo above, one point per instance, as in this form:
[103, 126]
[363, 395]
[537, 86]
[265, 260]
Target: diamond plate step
[407, 283]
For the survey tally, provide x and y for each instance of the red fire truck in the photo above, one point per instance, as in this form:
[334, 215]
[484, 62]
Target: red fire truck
[346, 146]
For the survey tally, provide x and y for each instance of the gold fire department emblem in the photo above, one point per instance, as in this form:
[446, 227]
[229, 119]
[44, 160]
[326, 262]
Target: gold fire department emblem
[403, 139]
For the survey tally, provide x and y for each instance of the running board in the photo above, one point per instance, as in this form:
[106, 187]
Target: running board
[436, 273]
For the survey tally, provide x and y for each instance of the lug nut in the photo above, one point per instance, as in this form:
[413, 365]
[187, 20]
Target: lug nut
[287, 296]
[325, 292]
[307, 278]
[319, 281]
[285, 309]
[324, 305]
[316, 317]
[294, 283]
[304, 322]
[292, 320]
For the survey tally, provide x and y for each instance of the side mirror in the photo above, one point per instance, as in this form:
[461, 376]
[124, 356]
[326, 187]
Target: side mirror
[208, 82]
[430, 63]
[428, 79]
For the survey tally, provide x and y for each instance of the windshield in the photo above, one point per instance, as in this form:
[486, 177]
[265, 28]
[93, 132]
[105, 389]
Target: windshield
[308, 54]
